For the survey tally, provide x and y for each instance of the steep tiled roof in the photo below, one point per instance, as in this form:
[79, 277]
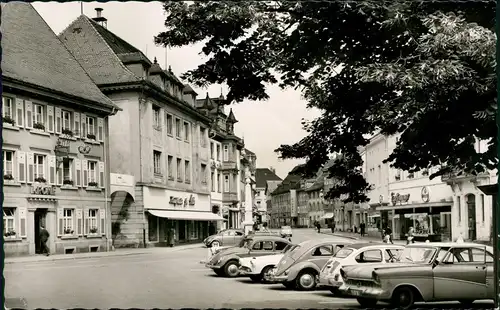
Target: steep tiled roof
[87, 44]
[262, 175]
[117, 44]
[188, 90]
[231, 117]
[32, 53]
[292, 181]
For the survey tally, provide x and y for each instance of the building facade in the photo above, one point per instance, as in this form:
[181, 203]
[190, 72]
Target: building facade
[262, 176]
[164, 148]
[282, 198]
[55, 142]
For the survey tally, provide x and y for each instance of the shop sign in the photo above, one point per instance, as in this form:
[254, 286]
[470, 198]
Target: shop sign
[425, 194]
[179, 201]
[398, 198]
[43, 189]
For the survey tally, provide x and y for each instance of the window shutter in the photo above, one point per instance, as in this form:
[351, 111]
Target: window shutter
[58, 121]
[85, 173]
[28, 109]
[83, 123]
[76, 117]
[23, 222]
[78, 172]
[79, 222]
[50, 118]
[20, 112]
[101, 175]
[52, 169]
[100, 129]
[60, 224]
[31, 167]
[60, 174]
[21, 164]
[102, 218]
[86, 221]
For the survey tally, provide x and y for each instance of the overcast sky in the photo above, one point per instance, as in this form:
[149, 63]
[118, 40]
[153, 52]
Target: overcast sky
[264, 125]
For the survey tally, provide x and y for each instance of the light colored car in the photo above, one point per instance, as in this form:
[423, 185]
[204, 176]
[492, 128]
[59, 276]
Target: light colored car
[426, 272]
[286, 232]
[227, 237]
[356, 254]
[258, 268]
[299, 268]
[225, 263]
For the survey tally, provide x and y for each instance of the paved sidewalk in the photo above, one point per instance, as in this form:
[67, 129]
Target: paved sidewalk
[117, 252]
[358, 237]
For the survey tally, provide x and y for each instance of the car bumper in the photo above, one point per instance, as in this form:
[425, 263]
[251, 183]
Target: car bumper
[327, 281]
[213, 266]
[278, 279]
[365, 292]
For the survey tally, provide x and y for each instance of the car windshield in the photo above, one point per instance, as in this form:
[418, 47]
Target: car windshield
[417, 254]
[245, 243]
[343, 253]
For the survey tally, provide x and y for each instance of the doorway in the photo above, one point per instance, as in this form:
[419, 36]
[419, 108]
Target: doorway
[40, 220]
[182, 230]
[471, 215]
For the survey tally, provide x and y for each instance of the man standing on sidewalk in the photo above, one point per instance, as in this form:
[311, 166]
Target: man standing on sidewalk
[44, 237]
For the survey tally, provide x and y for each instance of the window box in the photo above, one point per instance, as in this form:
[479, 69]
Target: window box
[91, 137]
[68, 132]
[68, 231]
[40, 180]
[9, 120]
[93, 230]
[69, 187]
[68, 182]
[8, 177]
[93, 184]
[10, 234]
[39, 126]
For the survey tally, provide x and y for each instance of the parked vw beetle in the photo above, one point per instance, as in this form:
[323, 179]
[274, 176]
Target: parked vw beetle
[299, 268]
[225, 263]
[226, 237]
[426, 272]
[361, 254]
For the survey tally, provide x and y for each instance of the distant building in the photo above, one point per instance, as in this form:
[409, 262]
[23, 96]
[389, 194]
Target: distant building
[262, 177]
[55, 142]
[160, 181]
[284, 201]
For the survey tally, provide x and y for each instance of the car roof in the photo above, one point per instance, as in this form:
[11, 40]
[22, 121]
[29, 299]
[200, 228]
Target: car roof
[373, 244]
[267, 237]
[448, 244]
[316, 242]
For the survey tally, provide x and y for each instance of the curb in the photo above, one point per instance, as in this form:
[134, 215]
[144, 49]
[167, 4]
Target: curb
[341, 236]
[31, 259]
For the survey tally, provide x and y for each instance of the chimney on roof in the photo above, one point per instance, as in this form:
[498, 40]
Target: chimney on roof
[103, 21]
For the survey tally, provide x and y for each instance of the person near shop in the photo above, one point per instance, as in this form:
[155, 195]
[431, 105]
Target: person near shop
[362, 227]
[44, 238]
[333, 227]
[410, 236]
[388, 235]
[318, 227]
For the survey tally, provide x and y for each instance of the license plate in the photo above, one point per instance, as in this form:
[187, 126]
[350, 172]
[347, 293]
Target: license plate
[355, 293]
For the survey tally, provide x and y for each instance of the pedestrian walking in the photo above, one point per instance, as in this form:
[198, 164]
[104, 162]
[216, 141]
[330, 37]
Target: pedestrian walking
[410, 236]
[318, 226]
[333, 227]
[44, 238]
[388, 235]
[362, 227]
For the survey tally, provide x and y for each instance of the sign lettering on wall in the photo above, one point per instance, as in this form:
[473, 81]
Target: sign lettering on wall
[42, 189]
[179, 201]
[425, 193]
[398, 198]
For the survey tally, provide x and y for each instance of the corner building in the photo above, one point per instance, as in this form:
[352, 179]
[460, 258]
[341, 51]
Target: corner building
[55, 142]
[159, 143]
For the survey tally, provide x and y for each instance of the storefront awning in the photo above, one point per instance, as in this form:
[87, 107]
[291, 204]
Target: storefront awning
[328, 215]
[417, 205]
[187, 215]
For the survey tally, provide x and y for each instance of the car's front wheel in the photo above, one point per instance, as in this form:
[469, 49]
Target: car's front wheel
[266, 273]
[403, 298]
[306, 281]
[231, 269]
[367, 302]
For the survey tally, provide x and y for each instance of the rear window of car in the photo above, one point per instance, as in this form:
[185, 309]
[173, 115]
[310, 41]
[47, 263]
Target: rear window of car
[343, 253]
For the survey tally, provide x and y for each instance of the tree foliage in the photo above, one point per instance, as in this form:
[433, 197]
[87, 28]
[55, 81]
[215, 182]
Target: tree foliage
[420, 70]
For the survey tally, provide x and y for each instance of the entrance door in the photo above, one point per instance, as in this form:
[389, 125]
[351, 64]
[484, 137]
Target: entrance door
[40, 215]
[182, 230]
[471, 214]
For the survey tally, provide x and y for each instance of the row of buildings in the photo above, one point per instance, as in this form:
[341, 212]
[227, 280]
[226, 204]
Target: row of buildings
[104, 148]
[440, 209]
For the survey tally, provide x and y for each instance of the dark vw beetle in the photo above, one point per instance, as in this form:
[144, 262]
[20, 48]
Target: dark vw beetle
[299, 268]
[225, 262]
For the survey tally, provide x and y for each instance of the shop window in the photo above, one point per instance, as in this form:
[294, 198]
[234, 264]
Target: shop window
[152, 228]
[193, 231]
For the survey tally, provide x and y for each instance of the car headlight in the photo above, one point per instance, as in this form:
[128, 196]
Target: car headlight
[287, 272]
